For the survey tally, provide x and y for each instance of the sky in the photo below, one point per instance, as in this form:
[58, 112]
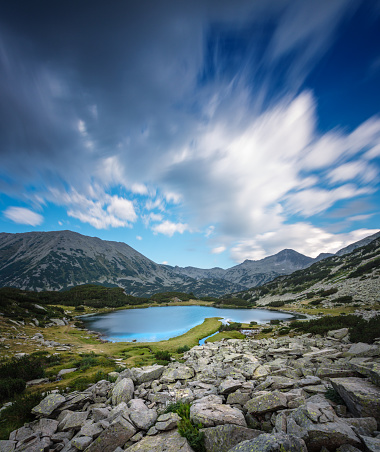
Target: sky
[200, 133]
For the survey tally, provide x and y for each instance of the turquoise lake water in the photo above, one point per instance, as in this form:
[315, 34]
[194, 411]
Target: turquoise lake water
[161, 323]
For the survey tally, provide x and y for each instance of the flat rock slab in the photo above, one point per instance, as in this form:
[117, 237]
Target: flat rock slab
[180, 372]
[164, 442]
[223, 437]
[270, 401]
[272, 443]
[212, 414]
[48, 404]
[361, 396]
[148, 373]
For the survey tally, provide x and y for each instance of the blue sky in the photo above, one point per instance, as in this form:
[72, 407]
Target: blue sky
[201, 133]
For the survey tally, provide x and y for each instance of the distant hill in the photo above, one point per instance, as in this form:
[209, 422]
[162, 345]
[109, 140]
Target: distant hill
[62, 259]
[254, 273]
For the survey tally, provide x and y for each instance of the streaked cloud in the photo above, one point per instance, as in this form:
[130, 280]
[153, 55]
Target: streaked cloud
[22, 215]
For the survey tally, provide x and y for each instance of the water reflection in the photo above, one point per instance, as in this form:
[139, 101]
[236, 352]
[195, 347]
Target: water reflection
[161, 323]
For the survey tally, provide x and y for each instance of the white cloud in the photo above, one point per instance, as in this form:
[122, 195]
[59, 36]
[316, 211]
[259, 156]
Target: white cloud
[302, 237]
[358, 170]
[138, 237]
[22, 215]
[100, 210]
[139, 189]
[60, 223]
[121, 208]
[169, 228]
[165, 262]
[218, 249]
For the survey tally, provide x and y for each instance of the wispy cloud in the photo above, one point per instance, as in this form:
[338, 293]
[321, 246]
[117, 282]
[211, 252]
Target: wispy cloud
[21, 215]
[169, 228]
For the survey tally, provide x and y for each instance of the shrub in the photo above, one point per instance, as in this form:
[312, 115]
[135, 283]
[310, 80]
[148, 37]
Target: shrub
[316, 302]
[230, 327]
[284, 330]
[183, 349]
[267, 330]
[27, 368]
[360, 330]
[327, 292]
[9, 387]
[275, 322]
[17, 414]
[163, 357]
[276, 304]
[343, 299]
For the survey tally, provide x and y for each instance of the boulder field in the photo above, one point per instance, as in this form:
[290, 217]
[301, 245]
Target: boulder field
[306, 393]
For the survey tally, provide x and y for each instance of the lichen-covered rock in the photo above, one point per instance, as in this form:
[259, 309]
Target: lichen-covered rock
[212, 414]
[167, 421]
[223, 437]
[363, 349]
[117, 434]
[147, 373]
[48, 404]
[271, 443]
[266, 401]
[319, 426]
[177, 372]
[361, 396]
[81, 442]
[143, 419]
[123, 391]
[163, 442]
[7, 446]
[229, 385]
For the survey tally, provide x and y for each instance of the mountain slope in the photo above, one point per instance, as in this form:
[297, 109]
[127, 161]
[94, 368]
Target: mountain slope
[57, 260]
[353, 277]
[360, 243]
[253, 273]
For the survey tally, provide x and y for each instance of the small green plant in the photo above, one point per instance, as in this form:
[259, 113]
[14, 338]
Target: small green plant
[186, 427]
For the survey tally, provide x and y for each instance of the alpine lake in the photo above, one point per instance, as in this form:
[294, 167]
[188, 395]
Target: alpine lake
[155, 324]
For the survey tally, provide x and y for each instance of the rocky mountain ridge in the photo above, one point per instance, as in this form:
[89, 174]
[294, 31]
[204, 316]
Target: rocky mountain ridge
[58, 260]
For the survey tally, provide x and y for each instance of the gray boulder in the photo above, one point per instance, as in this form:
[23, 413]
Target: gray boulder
[163, 442]
[363, 349]
[117, 434]
[272, 443]
[178, 372]
[123, 391]
[361, 397]
[223, 437]
[167, 421]
[212, 414]
[143, 420]
[48, 404]
[266, 401]
[147, 373]
[7, 446]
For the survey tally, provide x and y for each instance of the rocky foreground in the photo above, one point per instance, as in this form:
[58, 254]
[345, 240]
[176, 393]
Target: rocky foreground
[249, 395]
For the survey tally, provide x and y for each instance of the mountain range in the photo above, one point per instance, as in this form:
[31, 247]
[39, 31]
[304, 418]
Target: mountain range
[58, 260]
